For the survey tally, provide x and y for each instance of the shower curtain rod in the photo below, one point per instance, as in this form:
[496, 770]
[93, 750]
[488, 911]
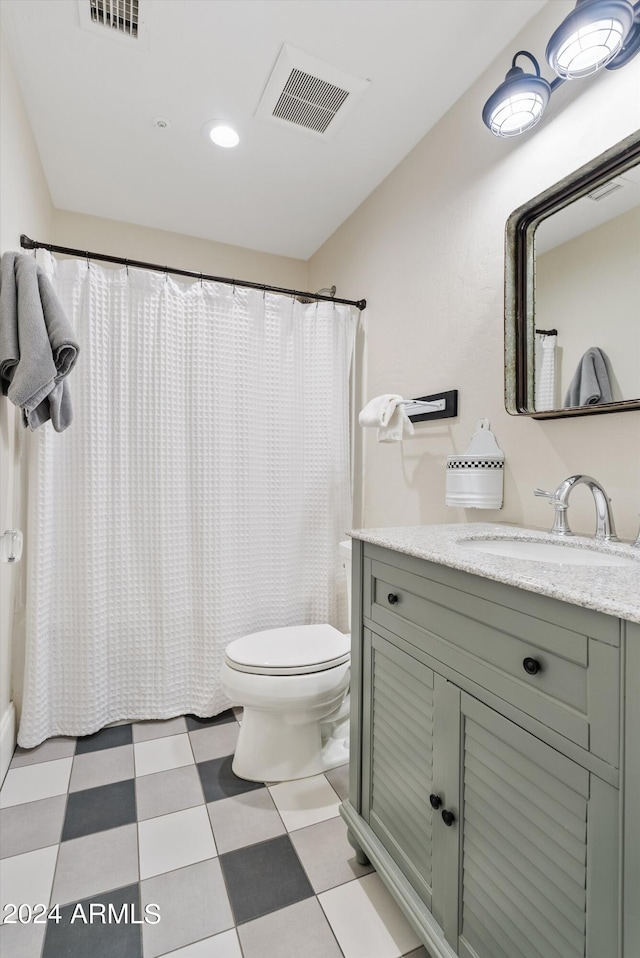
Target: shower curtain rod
[27, 243]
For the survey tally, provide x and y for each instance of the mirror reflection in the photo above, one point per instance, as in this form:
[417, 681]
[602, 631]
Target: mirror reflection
[587, 299]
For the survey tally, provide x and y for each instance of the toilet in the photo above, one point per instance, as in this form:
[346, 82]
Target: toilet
[293, 685]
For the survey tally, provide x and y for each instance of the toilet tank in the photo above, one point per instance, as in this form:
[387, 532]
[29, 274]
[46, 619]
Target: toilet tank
[345, 558]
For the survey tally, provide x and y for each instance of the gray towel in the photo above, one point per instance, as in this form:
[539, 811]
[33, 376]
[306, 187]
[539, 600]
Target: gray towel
[590, 384]
[37, 344]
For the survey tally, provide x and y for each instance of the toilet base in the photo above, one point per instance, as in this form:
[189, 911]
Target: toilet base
[279, 748]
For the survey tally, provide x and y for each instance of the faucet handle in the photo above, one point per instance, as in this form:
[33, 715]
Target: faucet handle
[553, 499]
[560, 525]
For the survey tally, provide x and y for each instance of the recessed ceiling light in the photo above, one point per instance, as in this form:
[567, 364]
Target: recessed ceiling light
[161, 122]
[221, 134]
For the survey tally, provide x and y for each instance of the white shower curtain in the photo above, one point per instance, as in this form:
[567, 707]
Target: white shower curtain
[199, 494]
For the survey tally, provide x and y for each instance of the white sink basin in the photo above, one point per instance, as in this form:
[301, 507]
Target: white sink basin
[547, 552]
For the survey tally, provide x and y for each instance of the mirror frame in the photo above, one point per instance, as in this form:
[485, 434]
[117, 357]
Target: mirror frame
[519, 300]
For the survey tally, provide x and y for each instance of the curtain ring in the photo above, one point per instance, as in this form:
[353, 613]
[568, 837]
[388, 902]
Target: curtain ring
[200, 279]
[126, 266]
[88, 261]
[166, 274]
[264, 292]
[233, 291]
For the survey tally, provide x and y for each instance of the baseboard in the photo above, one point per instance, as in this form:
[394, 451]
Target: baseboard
[7, 739]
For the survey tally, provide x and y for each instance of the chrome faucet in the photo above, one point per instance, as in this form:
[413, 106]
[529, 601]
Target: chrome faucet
[605, 527]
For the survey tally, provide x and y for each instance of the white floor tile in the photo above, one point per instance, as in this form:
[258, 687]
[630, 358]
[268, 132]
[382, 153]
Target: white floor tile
[175, 840]
[28, 878]
[157, 755]
[305, 801]
[366, 920]
[30, 783]
[225, 945]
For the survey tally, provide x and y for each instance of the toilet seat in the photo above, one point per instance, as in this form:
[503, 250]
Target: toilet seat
[294, 650]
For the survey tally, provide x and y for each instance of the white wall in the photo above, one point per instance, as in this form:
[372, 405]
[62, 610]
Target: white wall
[25, 206]
[426, 251]
[589, 290]
[99, 235]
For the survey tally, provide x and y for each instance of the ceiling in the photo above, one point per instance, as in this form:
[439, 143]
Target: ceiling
[92, 98]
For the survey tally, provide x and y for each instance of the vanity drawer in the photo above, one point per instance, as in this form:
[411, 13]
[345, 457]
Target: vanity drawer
[563, 678]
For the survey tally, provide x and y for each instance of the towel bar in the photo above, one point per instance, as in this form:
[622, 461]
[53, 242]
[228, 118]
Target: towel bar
[437, 406]
[417, 406]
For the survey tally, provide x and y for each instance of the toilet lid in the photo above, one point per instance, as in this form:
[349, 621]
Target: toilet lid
[296, 650]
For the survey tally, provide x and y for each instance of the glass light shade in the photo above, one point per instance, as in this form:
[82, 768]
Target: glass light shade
[517, 104]
[224, 136]
[589, 37]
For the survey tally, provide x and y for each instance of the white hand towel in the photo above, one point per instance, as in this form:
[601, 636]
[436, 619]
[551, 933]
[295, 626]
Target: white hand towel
[389, 416]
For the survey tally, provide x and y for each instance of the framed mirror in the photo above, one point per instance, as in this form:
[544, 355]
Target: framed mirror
[572, 292]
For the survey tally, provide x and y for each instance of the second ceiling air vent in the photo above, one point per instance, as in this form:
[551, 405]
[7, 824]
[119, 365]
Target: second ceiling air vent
[119, 15]
[115, 19]
[309, 94]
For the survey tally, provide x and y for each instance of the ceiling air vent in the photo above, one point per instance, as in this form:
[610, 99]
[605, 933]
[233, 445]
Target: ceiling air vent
[119, 15]
[308, 94]
[118, 19]
[605, 190]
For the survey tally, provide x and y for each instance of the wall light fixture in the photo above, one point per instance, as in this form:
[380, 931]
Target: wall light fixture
[598, 33]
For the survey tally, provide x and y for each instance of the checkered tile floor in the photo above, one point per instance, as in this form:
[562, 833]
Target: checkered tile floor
[151, 814]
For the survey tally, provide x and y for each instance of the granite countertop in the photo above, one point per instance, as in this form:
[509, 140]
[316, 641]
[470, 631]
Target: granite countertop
[614, 590]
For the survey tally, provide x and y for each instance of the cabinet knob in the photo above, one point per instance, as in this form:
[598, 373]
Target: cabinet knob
[392, 598]
[531, 666]
[435, 800]
[448, 817]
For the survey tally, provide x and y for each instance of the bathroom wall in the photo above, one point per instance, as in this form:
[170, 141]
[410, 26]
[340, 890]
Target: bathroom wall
[582, 281]
[26, 207]
[426, 250]
[79, 231]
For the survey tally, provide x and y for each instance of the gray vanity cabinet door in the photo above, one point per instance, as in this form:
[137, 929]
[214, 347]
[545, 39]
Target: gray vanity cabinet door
[537, 866]
[397, 757]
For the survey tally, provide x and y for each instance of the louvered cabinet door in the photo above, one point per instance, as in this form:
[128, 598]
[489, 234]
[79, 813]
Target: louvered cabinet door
[538, 856]
[397, 760]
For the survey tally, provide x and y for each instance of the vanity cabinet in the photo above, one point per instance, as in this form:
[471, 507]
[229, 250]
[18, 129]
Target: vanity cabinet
[485, 770]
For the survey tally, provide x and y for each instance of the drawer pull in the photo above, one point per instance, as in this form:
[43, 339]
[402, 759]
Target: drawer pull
[448, 817]
[531, 666]
[392, 598]
[435, 800]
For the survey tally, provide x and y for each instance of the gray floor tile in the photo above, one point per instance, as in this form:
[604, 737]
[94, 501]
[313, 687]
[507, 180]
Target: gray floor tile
[244, 819]
[195, 722]
[98, 938]
[98, 809]
[144, 731]
[339, 779]
[326, 855]
[263, 878]
[193, 904]
[23, 828]
[96, 863]
[101, 768]
[215, 741]
[300, 929]
[219, 781]
[49, 751]
[164, 792]
[21, 941]
[110, 737]
[418, 953]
